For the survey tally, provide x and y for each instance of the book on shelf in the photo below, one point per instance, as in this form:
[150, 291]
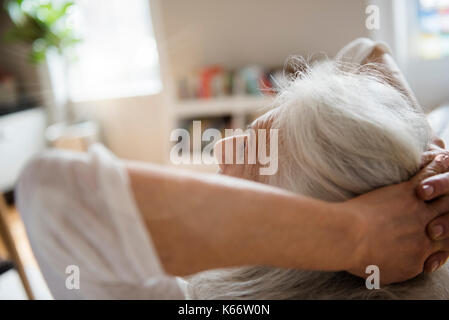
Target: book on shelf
[217, 81]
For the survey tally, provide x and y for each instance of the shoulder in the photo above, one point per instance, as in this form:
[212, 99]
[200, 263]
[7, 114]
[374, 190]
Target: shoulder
[78, 210]
[54, 171]
[64, 171]
[60, 185]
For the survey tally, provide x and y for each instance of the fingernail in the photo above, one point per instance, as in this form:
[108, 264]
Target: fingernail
[428, 190]
[437, 231]
[434, 266]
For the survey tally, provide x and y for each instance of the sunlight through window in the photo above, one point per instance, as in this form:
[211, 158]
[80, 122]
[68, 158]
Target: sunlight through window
[118, 56]
[433, 18]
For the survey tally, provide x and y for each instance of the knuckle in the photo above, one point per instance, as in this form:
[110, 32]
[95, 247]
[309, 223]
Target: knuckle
[422, 214]
[440, 183]
[427, 157]
[440, 220]
[439, 164]
[421, 247]
[437, 168]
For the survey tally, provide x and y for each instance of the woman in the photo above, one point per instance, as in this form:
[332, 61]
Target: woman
[345, 129]
[126, 228]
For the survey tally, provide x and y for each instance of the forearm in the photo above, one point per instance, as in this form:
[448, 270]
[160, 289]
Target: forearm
[200, 222]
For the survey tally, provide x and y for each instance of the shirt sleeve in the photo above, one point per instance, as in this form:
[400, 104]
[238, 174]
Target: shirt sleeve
[86, 231]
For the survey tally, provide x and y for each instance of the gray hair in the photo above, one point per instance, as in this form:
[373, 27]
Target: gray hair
[344, 130]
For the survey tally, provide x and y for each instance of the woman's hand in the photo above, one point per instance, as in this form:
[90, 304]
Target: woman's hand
[439, 184]
[386, 232]
[429, 188]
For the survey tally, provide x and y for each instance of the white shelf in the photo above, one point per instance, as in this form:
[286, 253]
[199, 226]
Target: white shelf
[21, 138]
[222, 106]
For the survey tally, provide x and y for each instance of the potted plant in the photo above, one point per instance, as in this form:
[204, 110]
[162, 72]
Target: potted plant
[45, 27]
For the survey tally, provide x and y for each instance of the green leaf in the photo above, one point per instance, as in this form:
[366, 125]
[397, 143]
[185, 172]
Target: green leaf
[42, 25]
[38, 54]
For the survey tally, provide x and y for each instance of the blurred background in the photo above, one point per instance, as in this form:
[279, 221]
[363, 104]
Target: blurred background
[127, 72]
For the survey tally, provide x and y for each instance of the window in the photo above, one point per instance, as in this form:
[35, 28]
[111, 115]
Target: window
[433, 18]
[118, 55]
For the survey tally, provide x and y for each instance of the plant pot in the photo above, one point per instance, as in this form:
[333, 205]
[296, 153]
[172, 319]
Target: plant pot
[77, 136]
[54, 86]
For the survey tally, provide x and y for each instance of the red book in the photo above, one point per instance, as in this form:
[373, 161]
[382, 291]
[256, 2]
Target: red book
[206, 75]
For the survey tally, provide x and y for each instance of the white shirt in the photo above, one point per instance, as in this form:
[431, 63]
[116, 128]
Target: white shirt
[79, 211]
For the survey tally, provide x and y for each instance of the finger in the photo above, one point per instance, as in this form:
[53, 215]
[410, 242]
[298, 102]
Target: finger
[439, 164]
[438, 229]
[435, 261]
[438, 207]
[429, 179]
[433, 187]
[429, 155]
[438, 142]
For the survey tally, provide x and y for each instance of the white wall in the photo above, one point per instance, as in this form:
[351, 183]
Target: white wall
[136, 128]
[235, 33]
[430, 82]
[193, 33]
[133, 128]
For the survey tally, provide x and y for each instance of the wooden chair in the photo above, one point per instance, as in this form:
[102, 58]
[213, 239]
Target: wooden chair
[11, 247]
